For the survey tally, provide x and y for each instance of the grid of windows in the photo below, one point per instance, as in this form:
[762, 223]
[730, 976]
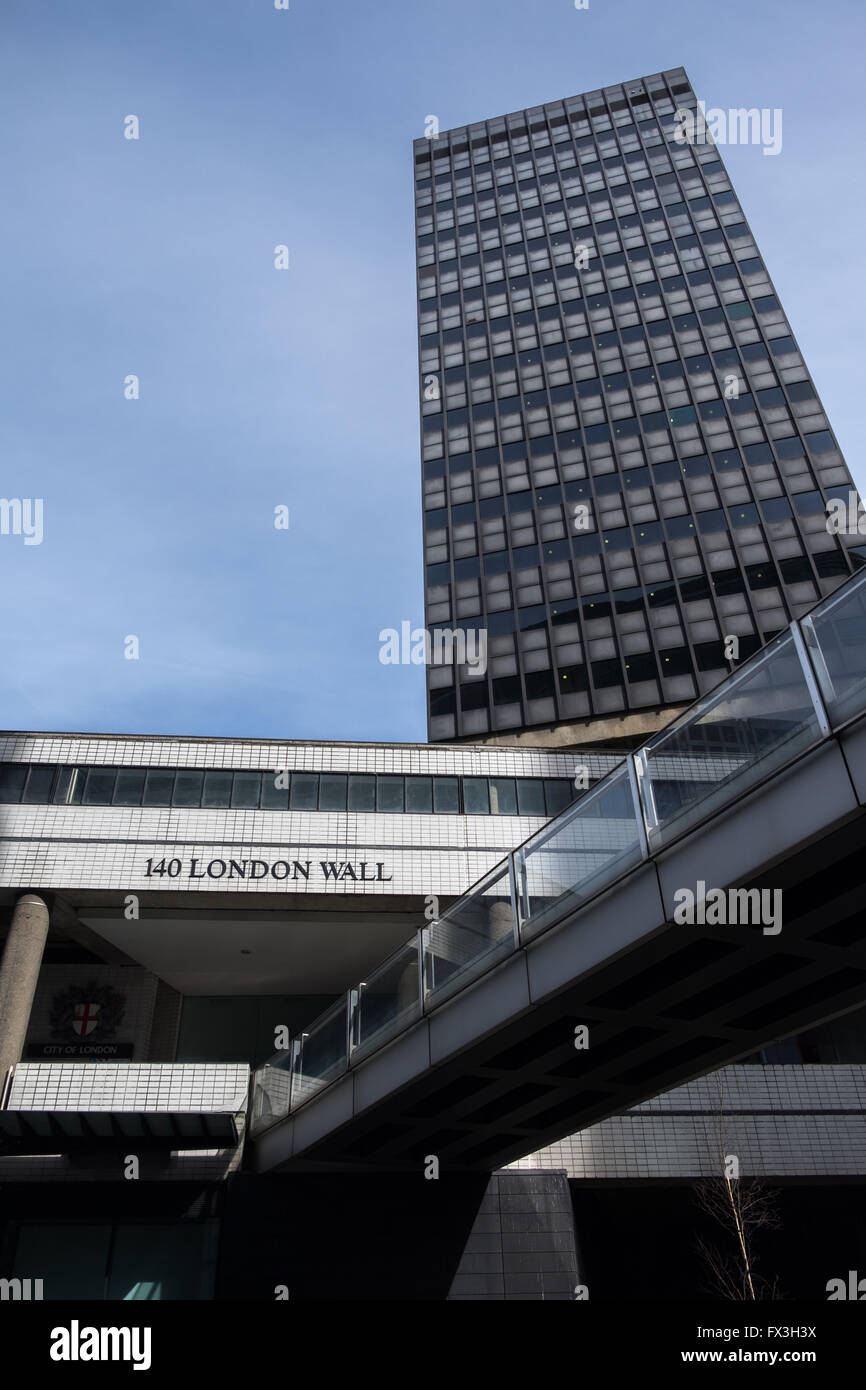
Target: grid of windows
[218, 788]
[624, 458]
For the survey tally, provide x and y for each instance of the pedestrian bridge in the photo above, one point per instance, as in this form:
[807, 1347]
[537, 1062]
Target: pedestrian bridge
[608, 958]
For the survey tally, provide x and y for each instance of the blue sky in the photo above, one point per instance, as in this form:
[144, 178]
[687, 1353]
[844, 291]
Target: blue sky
[260, 387]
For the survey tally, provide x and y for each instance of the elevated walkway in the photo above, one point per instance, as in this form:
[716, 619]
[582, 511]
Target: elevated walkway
[619, 918]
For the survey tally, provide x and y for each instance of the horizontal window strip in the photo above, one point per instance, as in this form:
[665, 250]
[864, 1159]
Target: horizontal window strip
[42, 784]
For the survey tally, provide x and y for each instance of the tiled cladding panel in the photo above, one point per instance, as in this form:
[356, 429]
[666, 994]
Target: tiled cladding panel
[109, 847]
[119, 1086]
[72, 847]
[406, 758]
[780, 1121]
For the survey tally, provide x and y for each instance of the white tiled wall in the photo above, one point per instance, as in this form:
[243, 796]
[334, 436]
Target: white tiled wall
[782, 1121]
[78, 847]
[407, 758]
[121, 1086]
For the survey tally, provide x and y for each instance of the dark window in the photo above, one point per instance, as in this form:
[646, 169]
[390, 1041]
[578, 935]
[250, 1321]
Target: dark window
[503, 797]
[158, 787]
[419, 795]
[662, 595]
[791, 447]
[618, 539]
[821, 442]
[776, 508]
[499, 623]
[246, 790]
[801, 391]
[443, 701]
[217, 792]
[796, 570]
[640, 666]
[506, 690]
[558, 794]
[713, 520]
[597, 434]
[332, 791]
[831, 563]
[758, 453]
[727, 357]
[754, 352]
[275, 798]
[762, 577]
[675, 661]
[389, 793]
[99, 787]
[572, 679]
[304, 791]
[710, 655]
[467, 569]
[362, 792]
[728, 582]
[491, 506]
[606, 673]
[129, 787]
[637, 477]
[596, 606]
[475, 799]
[607, 484]
[12, 779]
[525, 557]
[538, 684]
[187, 789]
[530, 796]
[629, 600]
[39, 784]
[446, 798]
[808, 503]
[474, 695]
[694, 589]
[677, 527]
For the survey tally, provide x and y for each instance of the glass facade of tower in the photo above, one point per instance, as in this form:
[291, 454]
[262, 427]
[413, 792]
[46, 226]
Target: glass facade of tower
[624, 459]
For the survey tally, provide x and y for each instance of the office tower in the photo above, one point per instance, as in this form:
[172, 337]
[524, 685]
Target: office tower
[625, 462]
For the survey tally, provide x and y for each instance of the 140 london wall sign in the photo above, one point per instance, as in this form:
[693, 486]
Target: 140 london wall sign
[339, 870]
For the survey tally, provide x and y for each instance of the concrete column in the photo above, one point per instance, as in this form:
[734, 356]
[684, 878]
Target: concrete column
[19, 973]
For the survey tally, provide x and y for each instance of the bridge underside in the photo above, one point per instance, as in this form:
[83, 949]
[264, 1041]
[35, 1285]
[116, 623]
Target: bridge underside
[494, 1073]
